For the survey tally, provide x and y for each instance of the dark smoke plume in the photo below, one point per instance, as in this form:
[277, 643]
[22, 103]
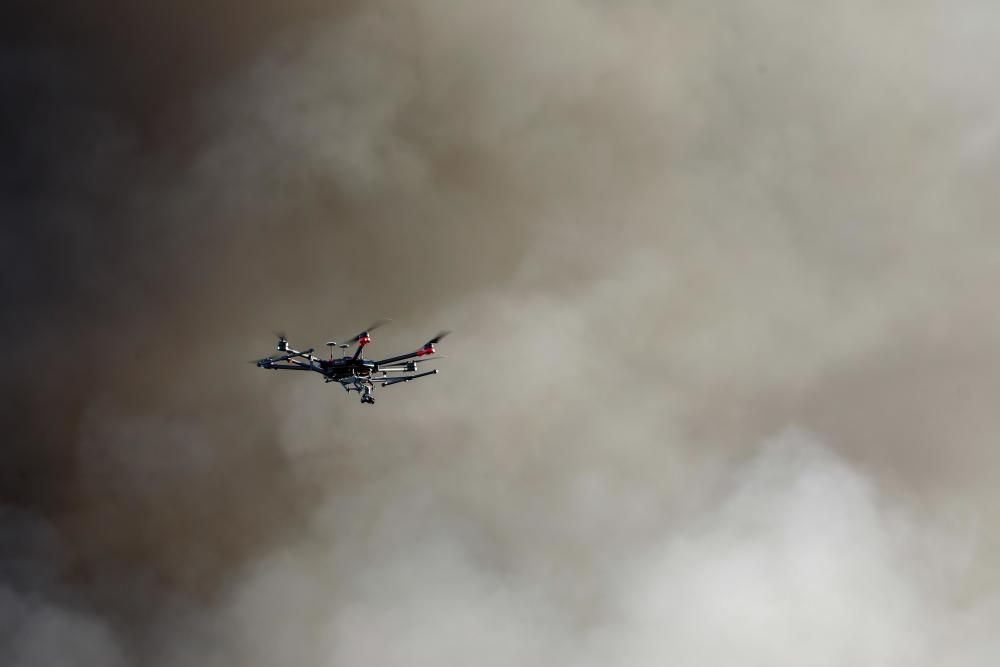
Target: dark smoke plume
[723, 376]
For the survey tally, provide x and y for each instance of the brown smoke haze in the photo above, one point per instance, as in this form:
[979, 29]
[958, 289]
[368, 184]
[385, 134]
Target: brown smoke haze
[723, 380]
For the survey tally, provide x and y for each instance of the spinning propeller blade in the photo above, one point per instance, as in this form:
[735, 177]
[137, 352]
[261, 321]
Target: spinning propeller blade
[437, 339]
[428, 347]
[374, 325]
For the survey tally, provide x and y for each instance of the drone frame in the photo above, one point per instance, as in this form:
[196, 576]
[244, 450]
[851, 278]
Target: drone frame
[354, 372]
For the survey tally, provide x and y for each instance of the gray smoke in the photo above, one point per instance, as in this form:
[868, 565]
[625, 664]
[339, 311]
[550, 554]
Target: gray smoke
[722, 380]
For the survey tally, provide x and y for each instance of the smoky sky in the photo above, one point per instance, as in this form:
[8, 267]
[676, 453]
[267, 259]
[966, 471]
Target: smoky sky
[722, 380]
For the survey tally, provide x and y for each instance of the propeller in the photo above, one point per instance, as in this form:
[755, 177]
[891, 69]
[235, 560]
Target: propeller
[282, 340]
[374, 325]
[436, 339]
[428, 347]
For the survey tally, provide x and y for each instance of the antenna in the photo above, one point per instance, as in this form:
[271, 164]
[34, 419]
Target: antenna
[332, 344]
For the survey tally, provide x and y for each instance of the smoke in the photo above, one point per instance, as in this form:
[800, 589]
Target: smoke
[722, 380]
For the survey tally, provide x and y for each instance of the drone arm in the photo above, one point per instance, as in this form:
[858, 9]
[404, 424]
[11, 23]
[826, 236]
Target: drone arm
[391, 381]
[402, 357]
[426, 350]
[408, 367]
[288, 367]
[294, 353]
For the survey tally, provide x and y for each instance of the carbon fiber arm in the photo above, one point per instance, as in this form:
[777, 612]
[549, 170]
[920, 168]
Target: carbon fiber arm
[391, 381]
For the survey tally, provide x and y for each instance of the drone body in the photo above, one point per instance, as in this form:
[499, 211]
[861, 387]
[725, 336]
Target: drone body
[354, 372]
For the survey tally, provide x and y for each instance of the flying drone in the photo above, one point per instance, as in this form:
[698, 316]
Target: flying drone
[353, 371]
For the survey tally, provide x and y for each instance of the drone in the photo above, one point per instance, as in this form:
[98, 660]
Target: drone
[353, 371]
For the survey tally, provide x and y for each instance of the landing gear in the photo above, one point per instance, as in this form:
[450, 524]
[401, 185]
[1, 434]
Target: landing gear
[366, 392]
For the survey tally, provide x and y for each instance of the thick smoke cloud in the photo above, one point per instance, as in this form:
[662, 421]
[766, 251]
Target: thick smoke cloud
[723, 376]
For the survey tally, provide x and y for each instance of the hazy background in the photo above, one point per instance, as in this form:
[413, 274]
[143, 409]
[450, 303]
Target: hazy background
[723, 380]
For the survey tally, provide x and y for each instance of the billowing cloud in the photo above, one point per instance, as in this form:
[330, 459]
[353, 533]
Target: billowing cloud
[722, 380]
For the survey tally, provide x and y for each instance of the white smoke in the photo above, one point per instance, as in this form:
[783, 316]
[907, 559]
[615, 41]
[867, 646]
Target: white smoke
[721, 386]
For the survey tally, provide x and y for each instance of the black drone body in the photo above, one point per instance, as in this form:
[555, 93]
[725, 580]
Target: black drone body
[354, 372]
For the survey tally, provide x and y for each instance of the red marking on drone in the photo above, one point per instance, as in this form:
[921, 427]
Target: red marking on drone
[424, 351]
